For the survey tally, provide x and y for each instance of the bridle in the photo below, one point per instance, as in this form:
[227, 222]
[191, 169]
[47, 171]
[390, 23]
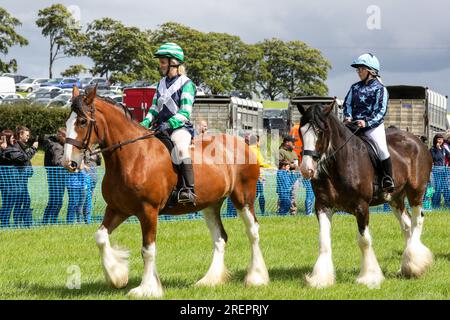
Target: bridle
[91, 122]
[320, 129]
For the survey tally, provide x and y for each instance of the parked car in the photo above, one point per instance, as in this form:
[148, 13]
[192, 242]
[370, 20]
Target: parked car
[30, 84]
[56, 82]
[63, 100]
[43, 98]
[43, 90]
[200, 92]
[17, 78]
[116, 89]
[70, 83]
[8, 98]
[241, 94]
[7, 85]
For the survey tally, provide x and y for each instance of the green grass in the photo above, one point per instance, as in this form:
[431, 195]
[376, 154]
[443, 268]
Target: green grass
[38, 159]
[34, 263]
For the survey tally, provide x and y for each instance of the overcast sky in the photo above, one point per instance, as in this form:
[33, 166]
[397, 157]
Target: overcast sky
[410, 38]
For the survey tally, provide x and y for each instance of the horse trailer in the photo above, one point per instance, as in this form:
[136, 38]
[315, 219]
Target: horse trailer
[416, 109]
[224, 113]
[307, 101]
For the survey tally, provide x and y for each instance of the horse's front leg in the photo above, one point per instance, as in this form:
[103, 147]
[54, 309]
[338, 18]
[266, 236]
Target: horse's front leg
[150, 286]
[323, 272]
[371, 274]
[114, 260]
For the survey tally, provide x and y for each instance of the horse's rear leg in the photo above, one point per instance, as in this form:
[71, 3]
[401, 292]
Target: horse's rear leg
[217, 273]
[323, 275]
[417, 257]
[114, 260]
[150, 286]
[371, 274]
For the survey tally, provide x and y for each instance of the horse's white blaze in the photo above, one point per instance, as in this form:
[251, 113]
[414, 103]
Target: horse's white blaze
[114, 260]
[405, 222]
[417, 257]
[371, 274]
[217, 273]
[257, 273]
[150, 286]
[71, 133]
[309, 143]
[323, 272]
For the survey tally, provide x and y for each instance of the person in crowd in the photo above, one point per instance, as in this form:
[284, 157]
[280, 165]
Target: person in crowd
[90, 177]
[17, 154]
[287, 153]
[285, 179]
[56, 175]
[440, 172]
[8, 177]
[255, 145]
[76, 189]
[202, 128]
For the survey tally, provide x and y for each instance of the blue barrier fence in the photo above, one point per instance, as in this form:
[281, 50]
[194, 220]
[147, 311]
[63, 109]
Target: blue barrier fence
[34, 196]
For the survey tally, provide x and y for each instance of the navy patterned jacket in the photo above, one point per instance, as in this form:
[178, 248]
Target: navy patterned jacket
[367, 102]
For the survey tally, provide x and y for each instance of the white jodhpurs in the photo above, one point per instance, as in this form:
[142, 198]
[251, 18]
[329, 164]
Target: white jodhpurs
[378, 136]
[181, 138]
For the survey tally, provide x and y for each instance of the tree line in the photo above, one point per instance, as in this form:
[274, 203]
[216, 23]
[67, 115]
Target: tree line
[219, 62]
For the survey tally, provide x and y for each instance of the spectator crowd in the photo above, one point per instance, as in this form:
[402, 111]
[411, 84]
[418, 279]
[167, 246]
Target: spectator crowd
[16, 170]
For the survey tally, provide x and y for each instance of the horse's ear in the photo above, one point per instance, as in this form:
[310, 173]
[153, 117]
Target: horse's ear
[75, 92]
[301, 109]
[327, 109]
[90, 94]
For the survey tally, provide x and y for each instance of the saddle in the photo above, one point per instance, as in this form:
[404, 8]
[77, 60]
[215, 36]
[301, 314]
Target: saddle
[174, 196]
[373, 151]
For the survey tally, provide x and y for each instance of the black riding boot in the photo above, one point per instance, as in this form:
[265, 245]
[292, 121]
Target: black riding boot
[387, 183]
[186, 194]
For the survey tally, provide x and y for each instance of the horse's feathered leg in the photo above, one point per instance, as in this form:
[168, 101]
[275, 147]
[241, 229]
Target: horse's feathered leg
[417, 257]
[323, 273]
[150, 286]
[217, 272]
[400, 212]
[114, 260]
[257, 273]
[371, 274]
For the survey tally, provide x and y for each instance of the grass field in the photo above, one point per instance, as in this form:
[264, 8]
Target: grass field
[34, 263]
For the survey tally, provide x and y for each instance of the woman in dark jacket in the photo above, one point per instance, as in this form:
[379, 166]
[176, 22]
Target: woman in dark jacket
[9, 177]
[440, 172]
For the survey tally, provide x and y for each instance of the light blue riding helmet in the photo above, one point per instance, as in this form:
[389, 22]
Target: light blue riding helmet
[367, 60]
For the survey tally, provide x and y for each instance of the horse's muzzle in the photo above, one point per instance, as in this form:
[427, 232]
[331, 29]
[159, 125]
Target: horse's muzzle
[71, 166]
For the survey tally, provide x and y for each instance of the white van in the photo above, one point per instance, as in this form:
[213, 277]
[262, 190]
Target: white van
[7, 86]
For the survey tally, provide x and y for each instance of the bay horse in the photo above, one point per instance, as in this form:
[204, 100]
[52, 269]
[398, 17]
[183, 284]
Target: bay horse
[139, 178]
[342, 174]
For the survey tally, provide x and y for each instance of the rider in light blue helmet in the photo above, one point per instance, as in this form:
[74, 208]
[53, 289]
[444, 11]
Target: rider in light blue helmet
[366, 105]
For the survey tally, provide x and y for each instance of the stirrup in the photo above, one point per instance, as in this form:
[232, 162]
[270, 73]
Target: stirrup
[191, 196]
[387, 184]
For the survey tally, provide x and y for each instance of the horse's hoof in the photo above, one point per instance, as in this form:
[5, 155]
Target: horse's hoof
[372, 281]
[320, 282]
[255, 279]
[145, 292]
[416, 260]
[213, 280]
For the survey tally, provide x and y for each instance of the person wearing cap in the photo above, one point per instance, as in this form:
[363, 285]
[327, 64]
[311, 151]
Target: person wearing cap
[171, 111]
[366, 104]
[286, 152]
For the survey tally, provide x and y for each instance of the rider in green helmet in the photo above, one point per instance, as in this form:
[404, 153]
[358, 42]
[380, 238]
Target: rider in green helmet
[171, 111]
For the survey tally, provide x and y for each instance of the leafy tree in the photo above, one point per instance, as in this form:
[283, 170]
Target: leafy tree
[74, 70]
[119, 52]
[291, 69]
[8, 38]
[64, 34]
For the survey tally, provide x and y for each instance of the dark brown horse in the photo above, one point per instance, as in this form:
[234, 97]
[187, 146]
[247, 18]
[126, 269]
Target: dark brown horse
[342, 178]
[140, 177]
